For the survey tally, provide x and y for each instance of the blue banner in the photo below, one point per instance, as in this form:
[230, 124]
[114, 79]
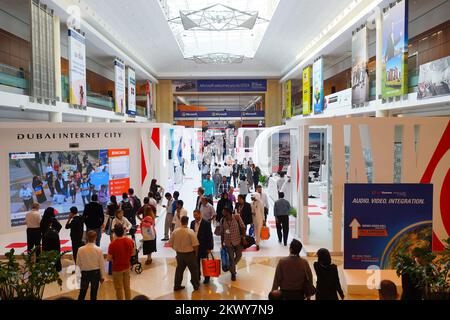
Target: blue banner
[218, 114]
[221, 85]
[384, 220]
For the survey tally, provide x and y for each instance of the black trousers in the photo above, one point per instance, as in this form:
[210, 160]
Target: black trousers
[89, 277]
[34, 239]
[75, 246]
[235, 180]
[282, 223]
[293, 295]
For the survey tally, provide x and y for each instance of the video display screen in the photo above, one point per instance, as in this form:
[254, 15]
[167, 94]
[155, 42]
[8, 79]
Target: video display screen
[63, 179]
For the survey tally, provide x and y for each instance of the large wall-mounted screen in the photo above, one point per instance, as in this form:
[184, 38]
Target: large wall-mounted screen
[62, 179]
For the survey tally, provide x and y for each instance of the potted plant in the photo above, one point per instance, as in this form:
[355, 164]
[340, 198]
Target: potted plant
[293, 212]
[430, 271]
[264, 180]
[26, 280]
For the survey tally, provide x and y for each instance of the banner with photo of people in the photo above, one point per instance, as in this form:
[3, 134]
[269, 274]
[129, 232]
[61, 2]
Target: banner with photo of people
[434, 79]
[77, 69]
[131, 80]
[306, 101]
[119, 85]
[360, 60]
[318, 86]
[63, 179]
[395, 51]
[281, 151]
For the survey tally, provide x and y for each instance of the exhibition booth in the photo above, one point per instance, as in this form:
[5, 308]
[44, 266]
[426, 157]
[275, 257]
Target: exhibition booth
[45, 161]
[389, 185]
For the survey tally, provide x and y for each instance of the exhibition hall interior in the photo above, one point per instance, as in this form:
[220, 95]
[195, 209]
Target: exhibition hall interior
[225, 149]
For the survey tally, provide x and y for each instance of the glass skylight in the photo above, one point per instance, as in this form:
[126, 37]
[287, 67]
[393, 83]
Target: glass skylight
[205, 27]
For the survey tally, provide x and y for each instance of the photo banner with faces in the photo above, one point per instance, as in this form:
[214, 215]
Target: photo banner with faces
[119, 85]
[77, 68]
[395, 51]
[360, 60]
[318, 86]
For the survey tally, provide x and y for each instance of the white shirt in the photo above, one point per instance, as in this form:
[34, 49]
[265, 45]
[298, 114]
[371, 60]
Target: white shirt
[153, 202]
[33, 219]
[25, 194]
[264, 200]
[197, 226]
[90, 257]
[124, 222]
[280, 183]
[228, 171]
[177, 220]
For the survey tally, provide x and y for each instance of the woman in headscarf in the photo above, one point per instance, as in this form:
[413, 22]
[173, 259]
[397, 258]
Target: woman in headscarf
[328, 284]
[50, 228]
[223, 203]
[38, 188]
[155, 188]
[258, 217]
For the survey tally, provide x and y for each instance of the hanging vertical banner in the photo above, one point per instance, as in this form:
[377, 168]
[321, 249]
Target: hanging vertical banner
[307, 90]
[318, 86]
[131, 80]
[119, 84]
[288, 98]
[395, 50]
[149, 94]
[360, 60]
[77, 69]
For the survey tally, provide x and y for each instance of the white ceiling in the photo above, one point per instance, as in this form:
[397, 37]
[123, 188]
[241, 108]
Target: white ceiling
[142, 24]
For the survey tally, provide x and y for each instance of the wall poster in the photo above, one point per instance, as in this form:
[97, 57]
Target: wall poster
[131, 81]
[119, 84]
[434, 79]
[288, 98]
[382, 221]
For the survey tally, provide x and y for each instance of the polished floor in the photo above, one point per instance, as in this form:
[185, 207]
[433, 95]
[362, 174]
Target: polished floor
[254, 282]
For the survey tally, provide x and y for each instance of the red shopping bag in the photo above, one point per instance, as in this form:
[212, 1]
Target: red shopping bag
[211, 267]
[265, 233]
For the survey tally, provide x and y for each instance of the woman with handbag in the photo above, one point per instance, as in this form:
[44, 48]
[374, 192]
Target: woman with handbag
[148, 231]
[293, 276]
[50, 228]
[258, 217]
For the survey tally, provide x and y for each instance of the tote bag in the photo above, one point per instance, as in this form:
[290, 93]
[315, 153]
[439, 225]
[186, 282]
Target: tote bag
[211, 267]
[265, 233]
[148, 233]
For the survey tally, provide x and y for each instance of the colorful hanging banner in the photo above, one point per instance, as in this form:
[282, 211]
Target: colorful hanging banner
[318, 86]
[131, 79]
[77, 69]
[395, 50]
[288, 98]
[119, 84]
[360, 60]
[307, 90]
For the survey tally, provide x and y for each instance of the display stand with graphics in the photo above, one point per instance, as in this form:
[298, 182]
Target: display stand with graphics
[382, 221]
[64, 165]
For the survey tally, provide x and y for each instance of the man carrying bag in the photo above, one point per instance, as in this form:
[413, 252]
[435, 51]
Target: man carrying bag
[202, 229]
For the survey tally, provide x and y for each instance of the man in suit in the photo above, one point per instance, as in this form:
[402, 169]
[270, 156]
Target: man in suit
[94, 217]
[202, 229]
[61, 186]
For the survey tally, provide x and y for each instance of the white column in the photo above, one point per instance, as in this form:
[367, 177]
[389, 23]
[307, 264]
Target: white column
[57, 56]
[382, 113]
[379, 51]
[55, 117]
[302, 214]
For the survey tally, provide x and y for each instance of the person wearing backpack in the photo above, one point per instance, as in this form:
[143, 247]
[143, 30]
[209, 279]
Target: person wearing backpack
[127, 208]
[135, 201]
[148, 234]
[50, 228]
[232, 233]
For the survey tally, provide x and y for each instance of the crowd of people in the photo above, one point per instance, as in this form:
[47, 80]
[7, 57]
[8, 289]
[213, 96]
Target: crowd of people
[237, 222]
